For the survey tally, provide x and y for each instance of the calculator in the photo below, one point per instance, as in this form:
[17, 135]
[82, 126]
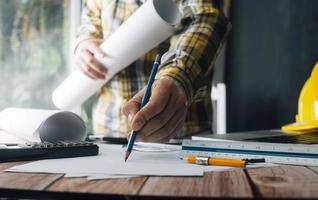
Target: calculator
[46, 150]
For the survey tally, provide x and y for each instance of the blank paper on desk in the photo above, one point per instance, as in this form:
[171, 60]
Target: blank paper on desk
[110, 162]
[150, 25]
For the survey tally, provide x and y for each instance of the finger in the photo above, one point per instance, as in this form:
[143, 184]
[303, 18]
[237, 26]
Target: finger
[163, 133]
[176, 102]
[94, 65]
[166, 131]
[173, 132]
[94, 48]
[92, 61]
[145, 134]
[162, 118]
[85, 69]
[172, 135]
[157, 102]
[132, 106]
[128, 136]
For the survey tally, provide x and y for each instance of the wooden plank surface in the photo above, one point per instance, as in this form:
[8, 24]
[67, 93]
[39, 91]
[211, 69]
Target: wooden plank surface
[127, 186]
[24, 180]
[315, 169]
[7, 165]
[214, 184]
[273, 182]
[27, 180]
[285, 181]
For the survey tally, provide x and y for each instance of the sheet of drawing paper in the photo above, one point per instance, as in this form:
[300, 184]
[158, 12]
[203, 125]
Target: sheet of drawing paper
[99, 176]
[110, 161]
[150, 25]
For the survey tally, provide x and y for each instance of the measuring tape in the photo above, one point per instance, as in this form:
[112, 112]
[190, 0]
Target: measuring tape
[294, 154]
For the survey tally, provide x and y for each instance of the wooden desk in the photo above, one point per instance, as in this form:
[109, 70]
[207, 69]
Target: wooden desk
[274, 182]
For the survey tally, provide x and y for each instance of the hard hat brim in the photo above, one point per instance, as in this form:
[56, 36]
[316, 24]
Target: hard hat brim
[301, 126]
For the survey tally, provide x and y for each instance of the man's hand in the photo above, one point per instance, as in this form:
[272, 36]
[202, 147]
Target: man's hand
[162, 116]
[85, 60]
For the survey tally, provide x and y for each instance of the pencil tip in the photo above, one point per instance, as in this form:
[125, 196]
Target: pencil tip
[127, 155]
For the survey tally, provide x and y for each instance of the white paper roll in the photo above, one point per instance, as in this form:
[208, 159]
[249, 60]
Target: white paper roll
[23, 122]
[150, 25]
[32, 124]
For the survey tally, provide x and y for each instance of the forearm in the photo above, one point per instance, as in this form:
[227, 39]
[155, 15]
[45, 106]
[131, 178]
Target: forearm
[194, 49]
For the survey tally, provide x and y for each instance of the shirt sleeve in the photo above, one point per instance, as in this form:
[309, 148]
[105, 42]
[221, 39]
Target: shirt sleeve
[194, 48]
[91, 22]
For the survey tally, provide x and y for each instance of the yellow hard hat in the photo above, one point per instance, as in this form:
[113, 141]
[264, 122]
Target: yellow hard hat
[307, 117]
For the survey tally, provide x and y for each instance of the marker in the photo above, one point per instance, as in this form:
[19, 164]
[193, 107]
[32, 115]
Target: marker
[144, 101]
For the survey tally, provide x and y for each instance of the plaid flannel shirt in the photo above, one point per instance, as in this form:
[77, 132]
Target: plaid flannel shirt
[192, 51]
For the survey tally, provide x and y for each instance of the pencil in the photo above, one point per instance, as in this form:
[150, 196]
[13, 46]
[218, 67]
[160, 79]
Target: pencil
[221, 161]
[144, 101]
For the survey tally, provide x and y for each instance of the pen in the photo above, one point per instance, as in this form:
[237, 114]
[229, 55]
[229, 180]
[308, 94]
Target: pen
[144, 101]
[222, 161]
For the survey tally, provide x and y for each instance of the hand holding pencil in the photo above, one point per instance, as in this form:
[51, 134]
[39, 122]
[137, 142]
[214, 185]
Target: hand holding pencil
[162, 116]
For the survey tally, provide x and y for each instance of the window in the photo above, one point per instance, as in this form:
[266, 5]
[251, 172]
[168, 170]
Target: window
[34, 51]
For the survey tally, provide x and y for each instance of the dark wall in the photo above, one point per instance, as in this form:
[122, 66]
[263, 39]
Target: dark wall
[272, 49]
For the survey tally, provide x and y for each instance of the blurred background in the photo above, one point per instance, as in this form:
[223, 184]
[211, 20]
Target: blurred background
[270, 53]
[34, 50]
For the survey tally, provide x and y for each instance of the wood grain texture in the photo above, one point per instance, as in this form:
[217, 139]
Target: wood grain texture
[127, 186]
[29, 181]
[315, 169]
[32, 181]
[285, 181]
[214, 184]
[7, 165]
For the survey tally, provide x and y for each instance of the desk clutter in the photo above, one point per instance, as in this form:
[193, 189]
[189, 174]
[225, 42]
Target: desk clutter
[110, 162]
[280, 153]
[45, 134]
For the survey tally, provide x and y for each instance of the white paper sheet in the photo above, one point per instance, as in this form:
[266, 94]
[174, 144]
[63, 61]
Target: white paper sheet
[150, 25]
[139, 146]
[110, 161]
[98, 176]
[23, 123]
[155, 147]
[92, 178]
[7, 138]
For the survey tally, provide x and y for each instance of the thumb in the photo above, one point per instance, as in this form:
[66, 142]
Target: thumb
[132, 106]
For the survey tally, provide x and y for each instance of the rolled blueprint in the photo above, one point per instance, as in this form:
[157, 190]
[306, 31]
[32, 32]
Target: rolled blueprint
[150, 25]
[23, 122]
[33, 125]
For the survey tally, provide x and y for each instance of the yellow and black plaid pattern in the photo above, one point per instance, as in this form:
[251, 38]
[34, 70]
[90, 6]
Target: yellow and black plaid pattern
[191, 53]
